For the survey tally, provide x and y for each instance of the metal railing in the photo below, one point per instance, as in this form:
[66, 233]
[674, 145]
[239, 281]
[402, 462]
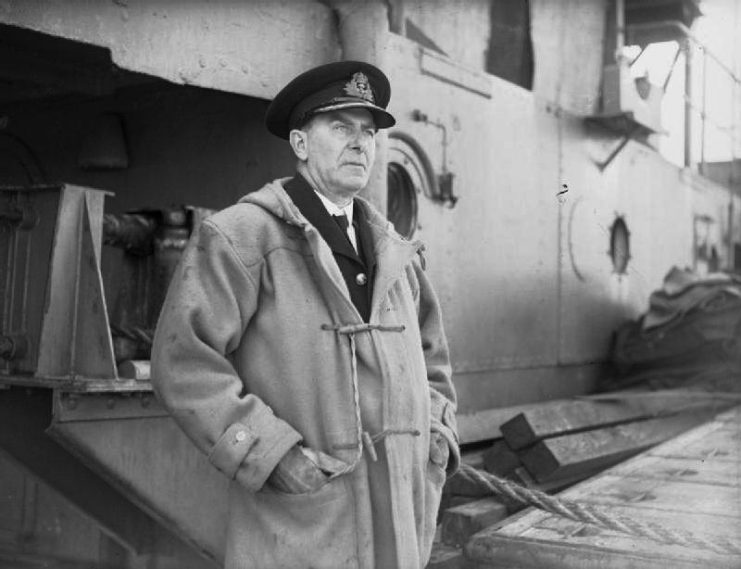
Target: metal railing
[697, 108]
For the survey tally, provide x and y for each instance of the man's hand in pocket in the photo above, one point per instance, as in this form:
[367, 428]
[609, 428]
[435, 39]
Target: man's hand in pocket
[303, 470]
[439, 450]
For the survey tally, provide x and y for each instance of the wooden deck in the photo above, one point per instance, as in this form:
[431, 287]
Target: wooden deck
[688, 485]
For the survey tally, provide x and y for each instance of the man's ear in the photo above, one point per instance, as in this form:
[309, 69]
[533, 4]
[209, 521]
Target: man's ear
[299, 143]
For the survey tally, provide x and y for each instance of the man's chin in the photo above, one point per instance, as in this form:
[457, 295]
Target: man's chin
[354, 185]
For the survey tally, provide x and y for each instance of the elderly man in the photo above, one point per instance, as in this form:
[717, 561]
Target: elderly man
[305, 354]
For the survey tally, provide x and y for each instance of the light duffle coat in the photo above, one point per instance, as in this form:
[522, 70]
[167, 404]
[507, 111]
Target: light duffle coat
[259, 347]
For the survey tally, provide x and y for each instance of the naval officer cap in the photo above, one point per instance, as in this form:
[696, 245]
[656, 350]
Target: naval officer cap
[330, 87]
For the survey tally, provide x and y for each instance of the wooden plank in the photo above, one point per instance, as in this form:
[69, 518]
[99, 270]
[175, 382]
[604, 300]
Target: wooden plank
[705, 526]
[446, 557]
[486, 424]
[543, 535]
[574, 547]
[501, 460]
[570, 454]
[671, 496]
[567, 417]
[700, 525]
[691, 470]
[551, 484]
[563, 418]
[643, 462]
[718, 447]
[705, 508]
[734, 398]
[461, 522]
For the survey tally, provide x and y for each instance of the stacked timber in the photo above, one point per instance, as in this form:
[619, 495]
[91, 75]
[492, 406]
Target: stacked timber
[674, 506]
[560, 443]
[553, 445]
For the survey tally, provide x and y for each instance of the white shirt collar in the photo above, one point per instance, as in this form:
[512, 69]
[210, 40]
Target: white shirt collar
[333, 209]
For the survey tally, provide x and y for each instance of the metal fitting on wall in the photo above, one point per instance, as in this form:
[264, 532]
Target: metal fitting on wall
[13, 346]
[444, 182]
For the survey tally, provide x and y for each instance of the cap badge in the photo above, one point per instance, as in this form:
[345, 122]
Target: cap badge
[359, 87]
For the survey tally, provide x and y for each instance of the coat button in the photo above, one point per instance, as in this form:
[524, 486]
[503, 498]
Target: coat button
[361, 279]
[240, 436]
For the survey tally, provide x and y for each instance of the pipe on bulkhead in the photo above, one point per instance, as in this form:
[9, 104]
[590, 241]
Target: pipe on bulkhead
[363, 31]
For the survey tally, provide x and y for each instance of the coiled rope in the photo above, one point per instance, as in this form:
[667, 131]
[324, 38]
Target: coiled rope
[587, 514]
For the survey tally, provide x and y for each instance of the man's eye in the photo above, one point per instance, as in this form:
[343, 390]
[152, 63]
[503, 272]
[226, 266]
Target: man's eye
[341, 127]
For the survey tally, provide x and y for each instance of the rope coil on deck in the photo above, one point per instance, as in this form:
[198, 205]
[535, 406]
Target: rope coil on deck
[586, 514]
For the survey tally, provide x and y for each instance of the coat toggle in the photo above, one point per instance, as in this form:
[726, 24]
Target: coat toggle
[364, 439]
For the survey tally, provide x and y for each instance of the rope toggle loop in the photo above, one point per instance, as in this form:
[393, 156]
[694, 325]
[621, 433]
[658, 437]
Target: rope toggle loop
[351, 329]
[370, 442]
[363, 438]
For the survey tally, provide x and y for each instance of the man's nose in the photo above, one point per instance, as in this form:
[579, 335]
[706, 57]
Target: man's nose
[361, 140]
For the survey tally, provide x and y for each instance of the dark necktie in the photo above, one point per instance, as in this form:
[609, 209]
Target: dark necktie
[342, 222]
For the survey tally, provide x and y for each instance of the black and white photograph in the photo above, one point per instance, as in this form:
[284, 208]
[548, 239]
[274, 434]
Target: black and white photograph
[370, 284]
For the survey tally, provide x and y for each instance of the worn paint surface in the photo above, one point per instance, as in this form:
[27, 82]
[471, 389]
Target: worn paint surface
[156, 465]
[567, 48]
[529, 237]
[219, 45]
[528, 240]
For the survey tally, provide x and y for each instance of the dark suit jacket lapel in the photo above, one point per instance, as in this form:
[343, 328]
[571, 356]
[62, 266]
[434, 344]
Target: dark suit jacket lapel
[365, 236]
[303, 195]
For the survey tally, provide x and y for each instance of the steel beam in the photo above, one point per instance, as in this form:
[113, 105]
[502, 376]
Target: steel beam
[24, 416]
[129, 441]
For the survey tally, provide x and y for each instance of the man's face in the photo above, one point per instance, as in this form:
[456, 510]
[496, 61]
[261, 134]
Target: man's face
[340, 148]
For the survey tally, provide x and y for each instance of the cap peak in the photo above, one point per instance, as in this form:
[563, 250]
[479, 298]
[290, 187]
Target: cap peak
[342, 84]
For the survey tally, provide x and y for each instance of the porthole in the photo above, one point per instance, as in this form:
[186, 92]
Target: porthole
[402, 200]
[409, 175]
[620, 246]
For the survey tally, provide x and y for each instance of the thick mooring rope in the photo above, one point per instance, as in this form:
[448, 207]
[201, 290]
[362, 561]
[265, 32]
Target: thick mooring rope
[588, 515]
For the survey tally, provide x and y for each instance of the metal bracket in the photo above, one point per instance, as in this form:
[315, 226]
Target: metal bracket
[72, 406]
[444, 193]
[24, 216]
[622, 124]
[13, 346]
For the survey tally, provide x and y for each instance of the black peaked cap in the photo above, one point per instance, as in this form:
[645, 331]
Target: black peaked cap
[334, 86]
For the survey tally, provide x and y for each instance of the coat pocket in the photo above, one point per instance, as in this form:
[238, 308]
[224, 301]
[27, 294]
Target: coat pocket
[281, 530]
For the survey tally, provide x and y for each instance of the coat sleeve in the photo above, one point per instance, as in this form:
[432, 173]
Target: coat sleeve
[437, 359]
[210, 302]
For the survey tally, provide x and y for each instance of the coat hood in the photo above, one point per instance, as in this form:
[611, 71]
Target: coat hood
[273, 198]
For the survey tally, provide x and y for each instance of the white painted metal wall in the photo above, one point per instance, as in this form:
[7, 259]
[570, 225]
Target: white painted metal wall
[529, 291]
[250, 47]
